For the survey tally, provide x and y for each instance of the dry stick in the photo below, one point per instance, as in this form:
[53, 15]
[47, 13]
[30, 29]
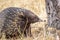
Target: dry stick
[25, 25]
[44, 31]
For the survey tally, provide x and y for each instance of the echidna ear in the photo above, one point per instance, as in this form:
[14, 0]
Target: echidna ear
[20, 13]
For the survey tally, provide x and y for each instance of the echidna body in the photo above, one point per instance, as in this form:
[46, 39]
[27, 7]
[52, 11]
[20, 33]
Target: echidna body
[15, 21]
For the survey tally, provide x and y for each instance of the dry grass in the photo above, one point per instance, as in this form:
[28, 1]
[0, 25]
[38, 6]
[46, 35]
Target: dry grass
[40, 33]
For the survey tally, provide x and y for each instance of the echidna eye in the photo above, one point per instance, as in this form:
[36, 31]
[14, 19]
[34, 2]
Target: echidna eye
[20, 16]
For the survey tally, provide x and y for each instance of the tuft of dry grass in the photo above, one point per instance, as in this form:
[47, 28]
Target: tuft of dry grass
[38, 33]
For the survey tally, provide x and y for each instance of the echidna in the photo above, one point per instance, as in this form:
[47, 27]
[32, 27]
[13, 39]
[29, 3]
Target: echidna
[15, 21]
